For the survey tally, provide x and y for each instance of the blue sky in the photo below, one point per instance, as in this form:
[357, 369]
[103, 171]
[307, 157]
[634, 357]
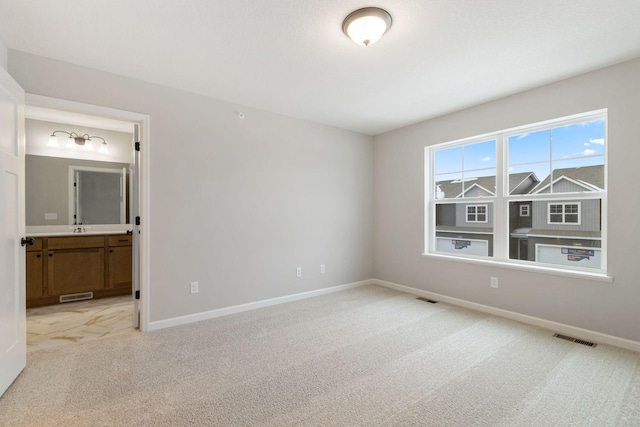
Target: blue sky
[580, 144]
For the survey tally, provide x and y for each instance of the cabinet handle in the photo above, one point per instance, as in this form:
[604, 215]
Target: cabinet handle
[38, 256]
[50, 254]
[110, 250]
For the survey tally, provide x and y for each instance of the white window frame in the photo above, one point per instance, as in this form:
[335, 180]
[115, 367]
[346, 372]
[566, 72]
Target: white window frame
[564, 213]
[475, 214]
[525, 210]
[500, 212]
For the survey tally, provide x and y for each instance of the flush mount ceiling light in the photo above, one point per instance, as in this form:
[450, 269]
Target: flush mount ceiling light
[366, 26]
[75, 139]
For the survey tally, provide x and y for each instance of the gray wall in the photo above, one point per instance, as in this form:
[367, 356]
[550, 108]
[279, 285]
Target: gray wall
[47, 186]
[235, 204]
[610, 308]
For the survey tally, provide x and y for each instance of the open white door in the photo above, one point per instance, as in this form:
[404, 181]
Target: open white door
[13, 332]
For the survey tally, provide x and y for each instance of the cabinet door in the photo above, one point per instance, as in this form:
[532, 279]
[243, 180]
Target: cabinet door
[34, 275]
[120, 272]
[75, 270]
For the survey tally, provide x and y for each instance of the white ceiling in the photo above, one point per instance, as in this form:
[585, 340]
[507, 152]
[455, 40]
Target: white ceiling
[291, 57]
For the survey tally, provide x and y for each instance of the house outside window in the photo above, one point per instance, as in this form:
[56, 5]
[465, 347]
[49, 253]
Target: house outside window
[532, 195]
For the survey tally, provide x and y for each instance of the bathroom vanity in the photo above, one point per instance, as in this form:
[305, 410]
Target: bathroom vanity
[63, 268]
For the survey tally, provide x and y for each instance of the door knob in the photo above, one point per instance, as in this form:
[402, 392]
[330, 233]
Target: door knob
[27, 241]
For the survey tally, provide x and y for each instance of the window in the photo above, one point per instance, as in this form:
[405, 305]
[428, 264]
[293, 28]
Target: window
[477, 213]
[563, 213]
[533, 195]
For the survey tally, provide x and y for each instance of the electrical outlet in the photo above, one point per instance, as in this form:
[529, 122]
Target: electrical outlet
[322, 269]
[194, 287]
[50, 216]
[494, 282]
[299, 272]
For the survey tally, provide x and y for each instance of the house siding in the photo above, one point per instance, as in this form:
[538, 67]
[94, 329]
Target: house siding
[461, 216]
[589, 215]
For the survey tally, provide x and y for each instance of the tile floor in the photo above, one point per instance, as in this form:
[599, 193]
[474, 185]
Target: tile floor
[79, 321]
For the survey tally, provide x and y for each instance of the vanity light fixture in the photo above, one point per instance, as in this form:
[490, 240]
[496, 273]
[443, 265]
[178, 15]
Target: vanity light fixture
[74, 140]
[366, 26]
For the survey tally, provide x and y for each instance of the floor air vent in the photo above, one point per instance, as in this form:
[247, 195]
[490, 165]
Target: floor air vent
[427, 300]
[576, 340]
[76, 297]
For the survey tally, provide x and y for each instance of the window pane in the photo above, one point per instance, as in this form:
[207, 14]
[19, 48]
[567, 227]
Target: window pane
[530, 147]
[458, 230]
[578, 175]
[571, 218]
[481, 183]
[572, 238]
[448, 186]
[481, 155]
[448, 160]
[578, 140]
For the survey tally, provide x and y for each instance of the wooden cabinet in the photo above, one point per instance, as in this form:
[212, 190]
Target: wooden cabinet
[35, 270]
[58, 266]
[75, 270]
[120, 266]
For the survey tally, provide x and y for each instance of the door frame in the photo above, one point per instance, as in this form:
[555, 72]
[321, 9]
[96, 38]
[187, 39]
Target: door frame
[144, 121]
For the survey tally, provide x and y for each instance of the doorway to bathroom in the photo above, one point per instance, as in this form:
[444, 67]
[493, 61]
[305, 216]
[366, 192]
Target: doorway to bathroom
[89, 273]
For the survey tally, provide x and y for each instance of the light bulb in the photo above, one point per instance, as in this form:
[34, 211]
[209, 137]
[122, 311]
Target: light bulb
[71, 143]
[367, 30]
[88, 145]
[53, 141]
[103, 148]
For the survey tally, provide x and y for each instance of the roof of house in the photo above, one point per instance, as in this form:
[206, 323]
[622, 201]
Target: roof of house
[591, 177]
[454, 188]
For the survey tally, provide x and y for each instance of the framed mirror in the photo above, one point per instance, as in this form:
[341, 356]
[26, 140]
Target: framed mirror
[97, 195]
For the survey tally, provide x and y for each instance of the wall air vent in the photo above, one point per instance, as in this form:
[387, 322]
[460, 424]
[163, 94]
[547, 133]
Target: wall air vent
[576, 340]
[76, 297]
[427, 300]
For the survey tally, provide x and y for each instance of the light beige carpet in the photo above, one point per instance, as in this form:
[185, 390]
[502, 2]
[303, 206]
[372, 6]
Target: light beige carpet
[367, 356]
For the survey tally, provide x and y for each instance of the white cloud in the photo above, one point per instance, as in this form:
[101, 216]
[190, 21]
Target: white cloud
[588, 152]
[486, 159]
[599, 141]
[586, 144]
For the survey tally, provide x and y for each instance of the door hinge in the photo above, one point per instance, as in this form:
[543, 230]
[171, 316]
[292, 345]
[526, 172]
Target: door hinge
[137, 146]
[137, 294]
[137, 220]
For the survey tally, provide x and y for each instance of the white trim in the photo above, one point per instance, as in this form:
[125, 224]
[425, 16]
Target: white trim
[461, 195]
[586, 334]
[520, 265]
[225, 311]
[462, 232]
[564, 213]
[476, 206]
[587, 186]
[528, 210]
[144, 121]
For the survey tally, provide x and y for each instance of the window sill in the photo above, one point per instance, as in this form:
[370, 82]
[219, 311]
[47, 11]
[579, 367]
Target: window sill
[600, 277]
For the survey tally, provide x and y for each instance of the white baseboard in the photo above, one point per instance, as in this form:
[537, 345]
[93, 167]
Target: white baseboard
[584, 334]
[181, 320]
